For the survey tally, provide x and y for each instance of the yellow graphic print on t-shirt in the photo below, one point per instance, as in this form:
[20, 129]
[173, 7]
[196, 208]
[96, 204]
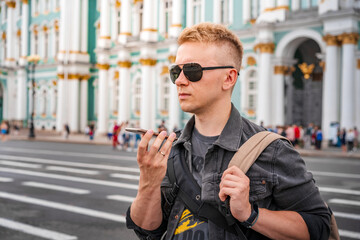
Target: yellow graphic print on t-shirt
[186, 222]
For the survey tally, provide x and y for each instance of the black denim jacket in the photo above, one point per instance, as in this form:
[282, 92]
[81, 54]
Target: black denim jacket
[278, 181]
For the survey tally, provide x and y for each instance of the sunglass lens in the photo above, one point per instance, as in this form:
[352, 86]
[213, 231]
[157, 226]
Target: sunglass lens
[193, 71]
[174, 73]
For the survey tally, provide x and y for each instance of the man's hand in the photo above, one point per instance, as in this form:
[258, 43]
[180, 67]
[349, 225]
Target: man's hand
[146, 208]
[153, 162]
[236, 185]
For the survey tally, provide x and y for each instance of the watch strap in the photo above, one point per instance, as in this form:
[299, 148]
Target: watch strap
[253, 217]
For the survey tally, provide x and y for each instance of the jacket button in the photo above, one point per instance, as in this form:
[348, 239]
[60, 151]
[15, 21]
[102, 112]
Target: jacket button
[263, 182]
[197, 197]
[176, 216]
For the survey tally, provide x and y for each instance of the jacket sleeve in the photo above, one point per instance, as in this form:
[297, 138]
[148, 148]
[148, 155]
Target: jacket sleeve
[296, 191]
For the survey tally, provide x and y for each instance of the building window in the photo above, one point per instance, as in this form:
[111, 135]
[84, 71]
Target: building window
[44, 103]
[197, 11]
[168, 15]
[165, 95]
[251, 87]
[137, 96]
[141, 15]
[224, 11]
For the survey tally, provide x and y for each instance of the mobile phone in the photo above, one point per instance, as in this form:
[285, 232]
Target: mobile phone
[142, 131]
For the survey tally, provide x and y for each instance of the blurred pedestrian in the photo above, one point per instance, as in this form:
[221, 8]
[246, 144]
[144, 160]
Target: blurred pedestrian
[343, 140]
[350, 140]
[356, 139]
[162, 126]
[307, 136]
[319, 138]
[4, 131]
[67, 130]
[91, 132]
[290, 134]
[115, 133]
[296, 135]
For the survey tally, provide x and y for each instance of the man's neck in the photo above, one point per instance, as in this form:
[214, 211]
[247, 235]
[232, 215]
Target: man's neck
[211, 123]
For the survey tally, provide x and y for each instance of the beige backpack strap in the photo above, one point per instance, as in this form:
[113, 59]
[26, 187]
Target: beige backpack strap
[252, 148]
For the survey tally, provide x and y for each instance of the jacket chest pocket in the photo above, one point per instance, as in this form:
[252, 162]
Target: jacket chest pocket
[261, 187]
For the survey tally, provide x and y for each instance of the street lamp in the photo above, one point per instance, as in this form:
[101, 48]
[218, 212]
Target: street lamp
[33, 60]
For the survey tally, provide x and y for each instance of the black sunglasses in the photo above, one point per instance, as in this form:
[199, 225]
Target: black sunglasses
[192, 71]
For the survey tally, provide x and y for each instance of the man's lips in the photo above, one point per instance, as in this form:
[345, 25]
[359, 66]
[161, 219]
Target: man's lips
[183, 95]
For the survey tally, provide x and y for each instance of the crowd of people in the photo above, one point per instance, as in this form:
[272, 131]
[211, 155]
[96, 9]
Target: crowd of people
[312, 137]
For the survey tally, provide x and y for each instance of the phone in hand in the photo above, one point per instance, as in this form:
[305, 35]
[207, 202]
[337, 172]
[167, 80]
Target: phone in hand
[142, 131]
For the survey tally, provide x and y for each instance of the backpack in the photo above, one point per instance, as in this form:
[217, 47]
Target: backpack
[189, 192]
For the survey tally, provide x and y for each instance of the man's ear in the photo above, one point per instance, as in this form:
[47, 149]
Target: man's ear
[230, 80]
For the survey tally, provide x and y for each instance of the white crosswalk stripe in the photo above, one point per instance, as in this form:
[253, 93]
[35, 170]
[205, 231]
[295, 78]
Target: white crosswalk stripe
[64, 207]
[73, 164]
[124, 176]
[344, 202]
[349, 234]
[121, 198]
[4, 179]
[347, 215]
[35, 231]
[70, 178]
[72, 170]
[56, 187]
[17, 164]
[339, 190]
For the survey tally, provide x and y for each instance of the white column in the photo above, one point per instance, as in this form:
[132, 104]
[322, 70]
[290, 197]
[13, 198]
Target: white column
[174, 106]
[74, 86]
[113, 28]
[103, 107]
[216, 11]
[21, 94]
[60, 113]
[331, 86]
[176, 26]
[295, 5]
[63, 24]
[124, 90]
[149, 31]
[125, 21]
[84, 26]
[10, 34]
[147, 109]
[357, 96]
[75, 23]
[246, 11]
[24, 29]
[104, 40]
[264, 106]
[84, 103]
[347, 118]
[189, 13]
[282, 3]
[278, 96]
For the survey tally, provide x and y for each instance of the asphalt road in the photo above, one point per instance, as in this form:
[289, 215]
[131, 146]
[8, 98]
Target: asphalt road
[73, 191]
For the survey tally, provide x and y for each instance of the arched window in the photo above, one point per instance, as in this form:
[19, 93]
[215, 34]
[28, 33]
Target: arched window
[168, 15]
[44, 103]
[137, 96]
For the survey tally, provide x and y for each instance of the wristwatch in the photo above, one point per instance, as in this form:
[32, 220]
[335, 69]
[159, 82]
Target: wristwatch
[253, 217]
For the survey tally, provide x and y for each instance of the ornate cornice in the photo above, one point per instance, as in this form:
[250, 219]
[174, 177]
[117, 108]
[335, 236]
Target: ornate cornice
[149, 30]
[124, 64]
[138, 1]
[147, 62]
[265, 47]
[349, 38]
[331, 40]
[103, 66]
[176, 25]
[85, 77]
[164, 70]
[118, 4]
[11, 4]
[251, 61]
[73, 76]
[276, 8]
[105, 37]
[125, 33]
[282, 70]
[25, 1]
[172, 58]
[306, 69]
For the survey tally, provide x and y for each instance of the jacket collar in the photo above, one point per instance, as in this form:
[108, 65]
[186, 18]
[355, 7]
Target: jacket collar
[230, 136]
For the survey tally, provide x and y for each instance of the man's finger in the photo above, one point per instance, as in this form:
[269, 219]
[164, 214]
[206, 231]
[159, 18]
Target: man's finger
[143, 145]
[157, 143]
[166, 148]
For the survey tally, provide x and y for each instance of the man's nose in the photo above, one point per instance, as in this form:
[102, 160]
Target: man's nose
[181, 80]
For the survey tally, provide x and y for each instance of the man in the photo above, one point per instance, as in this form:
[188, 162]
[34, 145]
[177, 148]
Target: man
[290, 206]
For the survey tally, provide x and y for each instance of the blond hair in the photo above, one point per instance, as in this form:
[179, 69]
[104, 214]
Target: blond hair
[214, 34]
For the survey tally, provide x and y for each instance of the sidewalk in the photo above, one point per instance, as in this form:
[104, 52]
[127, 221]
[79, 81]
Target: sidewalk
[52, 136]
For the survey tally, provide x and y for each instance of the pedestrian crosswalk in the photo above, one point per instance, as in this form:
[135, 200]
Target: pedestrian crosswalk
[108, 183]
